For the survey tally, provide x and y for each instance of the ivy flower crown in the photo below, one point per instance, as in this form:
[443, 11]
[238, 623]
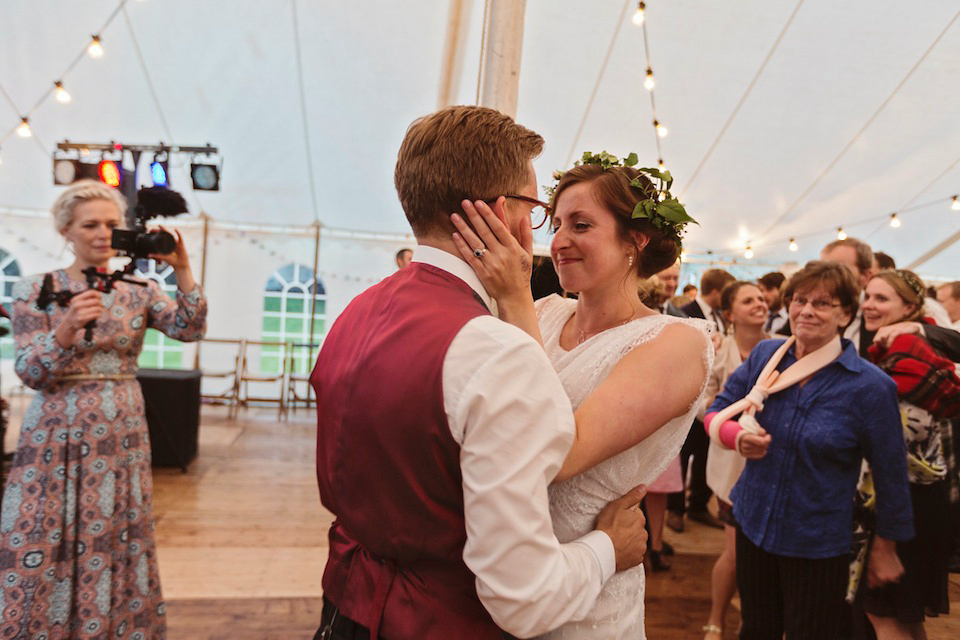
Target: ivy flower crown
[662, 210]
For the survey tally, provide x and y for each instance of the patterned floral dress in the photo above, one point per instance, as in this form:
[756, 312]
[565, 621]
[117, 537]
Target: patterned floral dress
[77, 555]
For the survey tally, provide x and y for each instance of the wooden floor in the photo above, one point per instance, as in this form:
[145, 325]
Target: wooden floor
[242, 541]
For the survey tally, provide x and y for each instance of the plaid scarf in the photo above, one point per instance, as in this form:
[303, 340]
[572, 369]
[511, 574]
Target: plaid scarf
[923, 378]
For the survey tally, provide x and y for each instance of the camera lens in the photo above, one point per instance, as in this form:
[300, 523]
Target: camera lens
[156, 242]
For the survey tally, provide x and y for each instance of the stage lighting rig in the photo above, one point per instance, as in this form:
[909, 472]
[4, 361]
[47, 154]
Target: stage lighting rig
[69, 165]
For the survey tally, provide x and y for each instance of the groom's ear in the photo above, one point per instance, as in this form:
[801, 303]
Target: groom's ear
[499, 208]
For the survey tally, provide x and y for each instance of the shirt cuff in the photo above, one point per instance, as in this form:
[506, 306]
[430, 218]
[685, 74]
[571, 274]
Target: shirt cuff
[602, 547]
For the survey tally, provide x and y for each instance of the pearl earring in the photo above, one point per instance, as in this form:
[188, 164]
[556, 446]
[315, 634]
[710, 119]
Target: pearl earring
[630, 260]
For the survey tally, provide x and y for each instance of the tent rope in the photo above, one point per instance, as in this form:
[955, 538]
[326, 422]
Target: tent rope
[742, 100]
[596, 85]
[303, 114]
[786, 213]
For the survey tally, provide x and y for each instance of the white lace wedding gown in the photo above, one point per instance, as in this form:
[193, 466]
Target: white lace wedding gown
[575, 503]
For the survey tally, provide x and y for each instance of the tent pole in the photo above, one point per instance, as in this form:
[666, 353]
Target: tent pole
[450, 72]
[313, 297]
[203, 273]
[501, 72]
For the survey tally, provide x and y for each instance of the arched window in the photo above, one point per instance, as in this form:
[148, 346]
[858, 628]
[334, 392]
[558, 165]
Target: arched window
[9, 273]
[288, 297]
[159, 351]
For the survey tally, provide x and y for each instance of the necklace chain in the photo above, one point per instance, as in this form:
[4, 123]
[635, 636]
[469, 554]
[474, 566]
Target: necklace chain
[585, 334]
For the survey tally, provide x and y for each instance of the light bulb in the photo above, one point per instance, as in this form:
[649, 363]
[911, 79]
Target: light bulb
[23, 130]
[748, 253]
[63, 97]
[661, 130]
[649, 83]
[840, 234]
[683, 255]
[661, 166]
[956, 204]
[640, 14]
[894, 221]
[793, 245]
[95, 49]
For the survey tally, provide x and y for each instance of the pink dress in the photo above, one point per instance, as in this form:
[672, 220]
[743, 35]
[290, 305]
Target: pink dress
[77, 553]
[670, 481]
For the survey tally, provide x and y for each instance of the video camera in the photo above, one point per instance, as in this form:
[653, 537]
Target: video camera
[152, 202]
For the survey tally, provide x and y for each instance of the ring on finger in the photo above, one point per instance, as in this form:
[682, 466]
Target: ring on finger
[479, 252]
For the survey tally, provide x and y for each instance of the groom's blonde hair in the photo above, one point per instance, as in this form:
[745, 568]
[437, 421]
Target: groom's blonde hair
[460, 153]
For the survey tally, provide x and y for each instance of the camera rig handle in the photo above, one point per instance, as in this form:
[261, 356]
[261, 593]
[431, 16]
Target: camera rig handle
[96, 279]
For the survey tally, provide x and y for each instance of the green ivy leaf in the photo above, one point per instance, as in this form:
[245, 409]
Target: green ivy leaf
[631, 160]
[644, 209]
[653, 173]
[672, 210]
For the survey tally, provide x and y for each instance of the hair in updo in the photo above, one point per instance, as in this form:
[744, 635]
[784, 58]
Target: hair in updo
[79, 193]
[611, 190]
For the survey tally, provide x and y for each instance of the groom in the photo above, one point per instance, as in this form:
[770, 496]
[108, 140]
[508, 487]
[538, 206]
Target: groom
[440, 427]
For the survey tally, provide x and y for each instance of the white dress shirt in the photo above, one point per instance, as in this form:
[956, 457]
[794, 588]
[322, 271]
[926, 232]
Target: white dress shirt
[710, 314]
[513, 421]
[777, 320]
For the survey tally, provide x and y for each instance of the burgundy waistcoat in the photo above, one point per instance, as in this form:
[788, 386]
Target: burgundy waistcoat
[387, 465]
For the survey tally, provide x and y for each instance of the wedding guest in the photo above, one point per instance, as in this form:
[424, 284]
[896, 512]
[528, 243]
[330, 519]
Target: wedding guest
[770, 285]
[744, 308]
[403, 257]
[690, 291]
[670, 278]
[77, 550]
[671, 480]
[949, 296]
[812, 410]
[694, 453]
[882, 261]
[858, 257]
[929, 396]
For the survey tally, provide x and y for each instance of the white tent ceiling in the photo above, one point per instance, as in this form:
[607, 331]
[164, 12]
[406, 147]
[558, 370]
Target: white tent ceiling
[854, 115]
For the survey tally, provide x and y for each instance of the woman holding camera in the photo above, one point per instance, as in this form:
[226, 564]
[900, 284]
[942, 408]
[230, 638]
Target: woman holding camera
[77, 554]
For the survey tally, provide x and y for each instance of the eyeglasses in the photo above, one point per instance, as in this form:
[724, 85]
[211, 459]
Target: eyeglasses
[818, 305]
[540, 210]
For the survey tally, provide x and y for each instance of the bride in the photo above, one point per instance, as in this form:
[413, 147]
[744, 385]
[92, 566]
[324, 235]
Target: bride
[634, 377]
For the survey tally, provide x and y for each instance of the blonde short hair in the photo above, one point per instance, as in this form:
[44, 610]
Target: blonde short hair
[459, 153]
[79, 193]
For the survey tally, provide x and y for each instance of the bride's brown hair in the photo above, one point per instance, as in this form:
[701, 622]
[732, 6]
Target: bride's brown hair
[611, 189]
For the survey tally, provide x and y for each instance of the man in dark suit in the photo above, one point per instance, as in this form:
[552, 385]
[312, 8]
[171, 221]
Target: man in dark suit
[669, 278]
[706, 306]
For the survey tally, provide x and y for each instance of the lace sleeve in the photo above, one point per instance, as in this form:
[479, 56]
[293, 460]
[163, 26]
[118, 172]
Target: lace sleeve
[647, 460]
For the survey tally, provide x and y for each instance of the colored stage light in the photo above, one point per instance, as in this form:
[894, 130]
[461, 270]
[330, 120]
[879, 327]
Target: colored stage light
[206, 177]
[65, 171]
[158, 170]
[110, 173]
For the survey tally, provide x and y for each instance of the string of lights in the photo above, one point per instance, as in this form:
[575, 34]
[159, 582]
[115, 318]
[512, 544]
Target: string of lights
[93, 49]
[853, 140]
[893, 219]
[660, 131]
